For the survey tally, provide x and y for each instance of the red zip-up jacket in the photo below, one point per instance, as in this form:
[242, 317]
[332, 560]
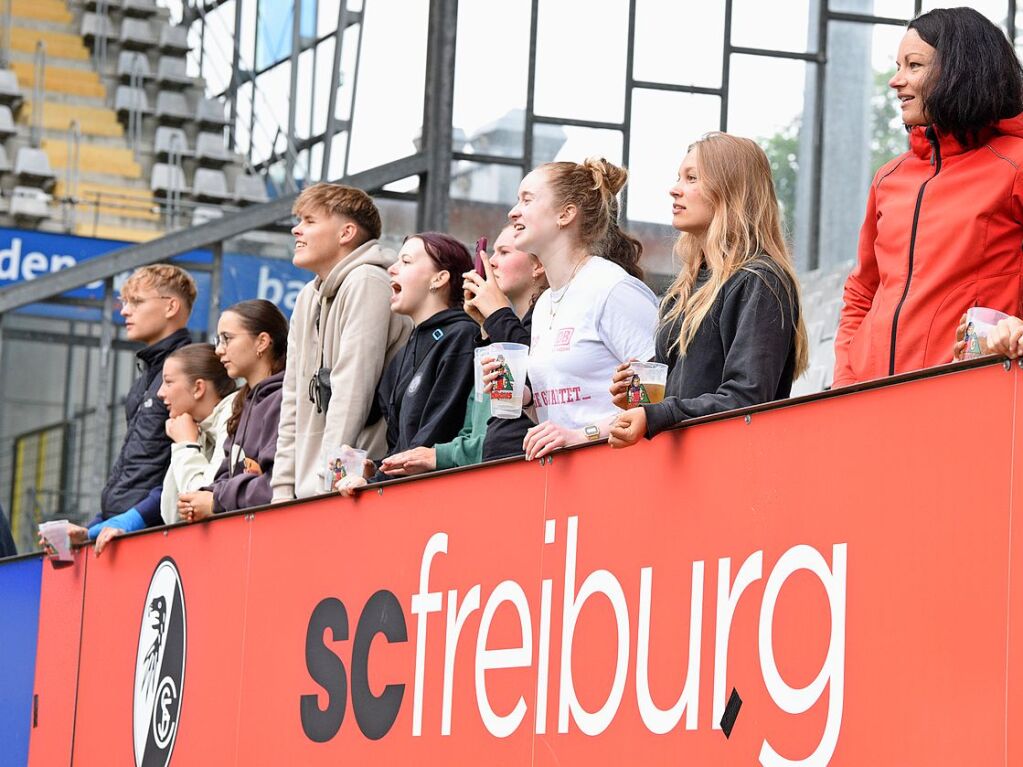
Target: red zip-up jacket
[943, 232]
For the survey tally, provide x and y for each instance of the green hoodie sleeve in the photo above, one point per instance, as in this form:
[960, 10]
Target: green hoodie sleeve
[467, 448]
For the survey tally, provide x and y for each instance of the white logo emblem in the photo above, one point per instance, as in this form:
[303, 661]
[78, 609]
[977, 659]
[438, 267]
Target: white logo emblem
[159, 668]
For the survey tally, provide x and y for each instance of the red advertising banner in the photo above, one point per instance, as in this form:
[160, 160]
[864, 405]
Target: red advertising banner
[829, 582]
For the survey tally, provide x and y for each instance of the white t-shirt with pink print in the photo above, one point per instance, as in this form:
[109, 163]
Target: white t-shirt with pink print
[581, 332]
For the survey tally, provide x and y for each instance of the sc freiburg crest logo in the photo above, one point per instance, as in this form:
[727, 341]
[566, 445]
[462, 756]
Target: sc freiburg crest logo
[159, 668]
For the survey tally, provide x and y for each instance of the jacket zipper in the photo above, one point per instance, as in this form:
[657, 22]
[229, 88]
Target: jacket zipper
[936, 162]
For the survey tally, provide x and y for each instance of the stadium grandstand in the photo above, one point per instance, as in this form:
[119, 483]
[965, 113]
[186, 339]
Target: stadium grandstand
[141, 132]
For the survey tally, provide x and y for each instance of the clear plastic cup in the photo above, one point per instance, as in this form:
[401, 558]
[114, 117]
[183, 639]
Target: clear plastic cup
[648, 381]
[979, 322]
[477, 368]
[341, 462]
[506, 394]
[58, 535]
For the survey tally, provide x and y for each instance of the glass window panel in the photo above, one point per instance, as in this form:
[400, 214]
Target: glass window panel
[247, 46]
[316, 163]
[564, 142]
[490, 79]
[275, 30]
[321, 88]
[659, 56]
[305, 87]
[307, 28]
[271, 109]
[664, 124]
[338, 148]
[485, 182]
[777, 125]
[347, 79]
[862, 130]
[756, 24]
[996, 10]
[407, 184]
[572, 78]
[195, 49]
[241, 135]
[327, 17]
[387, 128]
[892, 9]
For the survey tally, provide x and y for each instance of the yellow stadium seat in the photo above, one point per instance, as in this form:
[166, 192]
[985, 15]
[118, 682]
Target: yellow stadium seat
[94, 158]
[77, 82]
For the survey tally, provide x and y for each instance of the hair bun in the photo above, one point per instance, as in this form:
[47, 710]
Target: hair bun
[606, 174]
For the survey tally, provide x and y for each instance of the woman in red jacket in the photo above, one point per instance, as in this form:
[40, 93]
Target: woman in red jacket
[944, 223]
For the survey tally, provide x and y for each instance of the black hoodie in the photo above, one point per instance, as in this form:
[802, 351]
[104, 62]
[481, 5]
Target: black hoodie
[423, 390]
[146, 450]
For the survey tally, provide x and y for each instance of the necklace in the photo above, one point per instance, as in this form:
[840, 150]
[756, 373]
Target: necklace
[555, 302]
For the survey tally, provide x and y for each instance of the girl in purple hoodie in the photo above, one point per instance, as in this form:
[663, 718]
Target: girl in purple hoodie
[252, 342]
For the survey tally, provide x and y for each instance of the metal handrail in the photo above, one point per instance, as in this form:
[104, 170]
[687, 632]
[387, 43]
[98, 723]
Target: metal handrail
[99, 47]
[39, 70]
[71, 173]
[135, 109]
[176, 162]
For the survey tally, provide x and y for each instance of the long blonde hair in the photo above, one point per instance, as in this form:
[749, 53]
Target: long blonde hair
[745, 229]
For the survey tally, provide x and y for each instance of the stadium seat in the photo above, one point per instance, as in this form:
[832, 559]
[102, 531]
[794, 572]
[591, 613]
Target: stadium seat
[30, 203]
[133, 62]
[137, 34]
[32, 167]
[7, 127]
[250, 189]
[172, 108]
[203, 214]
[10, 91]
[94, 25]
[170, 140]
[174, 40]
[210, 149]
[127, 99]
[141, 8]
[171, 72]
[167, 178]
[210, 185]
[210, 113]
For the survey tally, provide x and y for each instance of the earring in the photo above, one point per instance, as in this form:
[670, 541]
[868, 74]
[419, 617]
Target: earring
[259, 353]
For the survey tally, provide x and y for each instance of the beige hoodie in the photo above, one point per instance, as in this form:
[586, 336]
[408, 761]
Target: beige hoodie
[360, 337]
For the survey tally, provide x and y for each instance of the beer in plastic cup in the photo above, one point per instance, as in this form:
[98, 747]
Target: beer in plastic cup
[506, 393]
[477, 369]
[979, 322]
[58, 535]
[647, 384]
[341, 462]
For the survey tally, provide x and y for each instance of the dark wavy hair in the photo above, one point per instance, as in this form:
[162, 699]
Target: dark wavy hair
[449, 255]
[259, 316]
[978, 79]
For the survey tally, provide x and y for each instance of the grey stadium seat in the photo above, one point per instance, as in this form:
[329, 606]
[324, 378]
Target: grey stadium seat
[7, 127]
[210, 112]
[250, 189]
[30, 203]
[10, 91]
[132, 62]
[143, 8]
[210, 149]
[174, 40]
[170, 139]
[172, 107]
[128, 99]
[137, 34]
[167, 178]
[94, 26]
[210, 185]
[172, 72]
[203, 214]
[32, 166]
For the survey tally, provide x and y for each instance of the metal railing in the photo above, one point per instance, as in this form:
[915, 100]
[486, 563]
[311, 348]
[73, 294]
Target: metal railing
[39, 73]
[71, 173]
[99, 45]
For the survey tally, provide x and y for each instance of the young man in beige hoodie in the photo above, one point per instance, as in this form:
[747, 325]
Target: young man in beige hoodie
[342, 324]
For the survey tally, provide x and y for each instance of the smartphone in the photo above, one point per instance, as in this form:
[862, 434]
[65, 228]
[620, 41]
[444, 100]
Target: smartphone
[481, 247]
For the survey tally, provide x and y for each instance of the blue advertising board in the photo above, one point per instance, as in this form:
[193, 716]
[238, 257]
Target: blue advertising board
[19, 630]
[26, 255]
